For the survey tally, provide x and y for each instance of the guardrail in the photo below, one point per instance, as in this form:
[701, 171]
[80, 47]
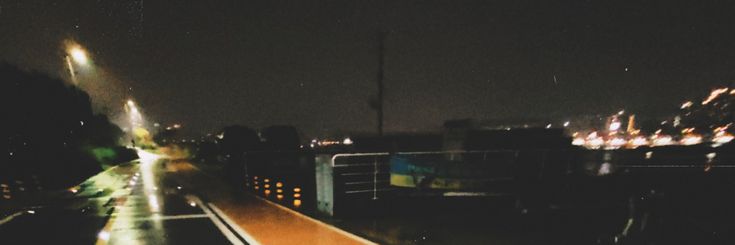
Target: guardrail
[358, 180]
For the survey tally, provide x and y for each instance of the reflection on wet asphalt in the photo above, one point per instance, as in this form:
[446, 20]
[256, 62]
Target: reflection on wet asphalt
[132, 204]
[158, 211]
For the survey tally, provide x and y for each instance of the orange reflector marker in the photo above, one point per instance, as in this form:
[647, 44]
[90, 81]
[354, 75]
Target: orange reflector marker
[279, 184]
[267, 186]
[297, 195]
[267, 192]
[255, 177]
[257, 187]
[266, 180]
[279, 191]
[279, 196]
[297, 202]
[296, 189]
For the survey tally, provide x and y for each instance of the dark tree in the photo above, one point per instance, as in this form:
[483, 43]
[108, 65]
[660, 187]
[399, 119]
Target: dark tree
[237, 139]
[50, 129]
[281, 138]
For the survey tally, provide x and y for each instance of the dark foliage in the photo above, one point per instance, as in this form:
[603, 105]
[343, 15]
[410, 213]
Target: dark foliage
[50, 130]
[237, 139]
[281, 138]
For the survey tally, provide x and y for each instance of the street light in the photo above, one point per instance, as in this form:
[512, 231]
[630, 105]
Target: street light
[77, 54]
[136, 118]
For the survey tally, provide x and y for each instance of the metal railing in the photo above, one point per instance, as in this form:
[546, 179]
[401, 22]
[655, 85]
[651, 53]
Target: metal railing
[360, 173]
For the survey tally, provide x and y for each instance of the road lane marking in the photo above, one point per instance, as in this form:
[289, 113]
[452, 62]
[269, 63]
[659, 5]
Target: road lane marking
[328, 226]
[248, 238]
[170, 217]
[221, 226]
[10, 217]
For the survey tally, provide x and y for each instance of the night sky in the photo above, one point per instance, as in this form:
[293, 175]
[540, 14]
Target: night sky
[207, 64]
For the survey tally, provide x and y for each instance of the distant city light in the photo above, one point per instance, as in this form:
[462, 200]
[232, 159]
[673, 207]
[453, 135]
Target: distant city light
[686, 105]
[687, 130]
[714, 95]
[328, 142]
[617, 142]
[722, 137]
[638, 142]
[691, 139]
[614, 126]
[711, 156]
[593, 134]
[595, 143]
[662, 140]
[566, 124]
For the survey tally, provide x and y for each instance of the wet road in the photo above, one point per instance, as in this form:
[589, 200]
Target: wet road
[130, 204]
[159, 201]
[158, 210]
[72, 218]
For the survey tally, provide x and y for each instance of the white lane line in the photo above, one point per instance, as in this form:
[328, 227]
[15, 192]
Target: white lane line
[248, 238]
[171, 217]
[328, 226]
[221, 226]
[10, 217]
[183, 216]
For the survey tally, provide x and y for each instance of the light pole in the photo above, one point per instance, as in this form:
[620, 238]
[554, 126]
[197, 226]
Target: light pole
[136, 119]
[79, 56]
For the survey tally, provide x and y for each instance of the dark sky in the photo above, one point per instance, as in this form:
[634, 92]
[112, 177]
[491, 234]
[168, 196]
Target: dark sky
[313, 64]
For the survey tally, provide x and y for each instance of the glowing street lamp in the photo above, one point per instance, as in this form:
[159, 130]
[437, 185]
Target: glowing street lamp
[136, 119]
[79, 56]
